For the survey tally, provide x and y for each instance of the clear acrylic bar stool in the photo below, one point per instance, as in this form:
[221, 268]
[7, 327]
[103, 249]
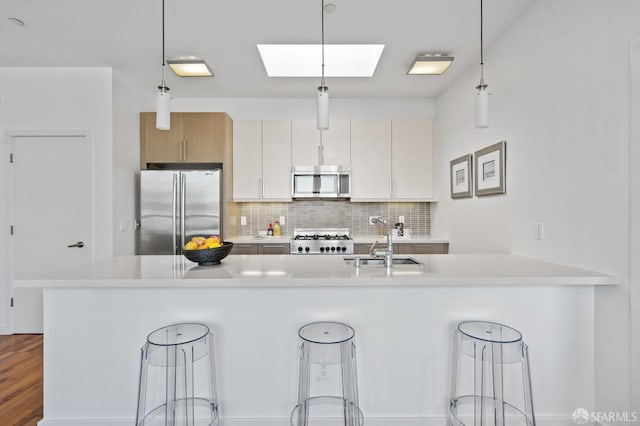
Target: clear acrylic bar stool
[177, 377]
[490, 377]
[328, 384]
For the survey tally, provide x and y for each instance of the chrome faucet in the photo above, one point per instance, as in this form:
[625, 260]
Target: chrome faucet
[388, 253]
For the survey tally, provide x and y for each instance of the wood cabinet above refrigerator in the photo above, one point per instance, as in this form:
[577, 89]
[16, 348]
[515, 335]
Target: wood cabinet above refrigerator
[194, 137]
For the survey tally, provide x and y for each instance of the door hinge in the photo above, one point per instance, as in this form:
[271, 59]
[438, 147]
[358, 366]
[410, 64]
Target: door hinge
[12, 302]
[11, 157]
[11, 230]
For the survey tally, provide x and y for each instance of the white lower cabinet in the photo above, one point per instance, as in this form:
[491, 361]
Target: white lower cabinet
[262, 160]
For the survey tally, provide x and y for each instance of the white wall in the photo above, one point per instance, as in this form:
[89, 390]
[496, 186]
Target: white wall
[129, 101]
[634, 158]
[559, 79]
[57, 99]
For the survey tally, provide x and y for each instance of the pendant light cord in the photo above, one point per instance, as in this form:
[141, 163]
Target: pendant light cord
[482, 85]
[163, 87]
[163, 62]
[322, 11]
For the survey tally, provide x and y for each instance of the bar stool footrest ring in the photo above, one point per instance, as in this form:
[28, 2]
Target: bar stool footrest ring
[514, 415]
[357, 418]
[183, 402]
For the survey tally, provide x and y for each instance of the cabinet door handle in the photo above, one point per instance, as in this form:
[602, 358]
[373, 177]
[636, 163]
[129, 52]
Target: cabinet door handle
[260, 188]
[185, 150]
[274, 246]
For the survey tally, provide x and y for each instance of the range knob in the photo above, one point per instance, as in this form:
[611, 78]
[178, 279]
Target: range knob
[300, 249]
[344, 249]
[306, 249]
[321, 249]
[333, 249]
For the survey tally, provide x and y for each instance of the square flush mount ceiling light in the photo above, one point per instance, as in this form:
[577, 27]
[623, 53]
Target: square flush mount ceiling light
[190, 67]
[303, 60]
[430, 64]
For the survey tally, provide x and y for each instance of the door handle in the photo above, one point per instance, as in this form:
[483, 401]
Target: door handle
[79, 244]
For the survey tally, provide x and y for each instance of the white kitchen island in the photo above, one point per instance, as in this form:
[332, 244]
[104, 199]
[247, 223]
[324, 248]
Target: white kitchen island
[96, 318]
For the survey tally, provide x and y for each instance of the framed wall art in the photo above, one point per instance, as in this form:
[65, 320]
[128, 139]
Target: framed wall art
[490, 170]
[461, 175]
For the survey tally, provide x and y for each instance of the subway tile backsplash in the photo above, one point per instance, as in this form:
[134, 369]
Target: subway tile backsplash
[333, 214]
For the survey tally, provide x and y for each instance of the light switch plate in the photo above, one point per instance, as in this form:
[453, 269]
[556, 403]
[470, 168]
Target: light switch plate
[282, 220]
[401, 219]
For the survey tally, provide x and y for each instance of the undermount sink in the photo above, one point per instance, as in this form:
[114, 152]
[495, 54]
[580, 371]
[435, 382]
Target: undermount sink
[373, 261]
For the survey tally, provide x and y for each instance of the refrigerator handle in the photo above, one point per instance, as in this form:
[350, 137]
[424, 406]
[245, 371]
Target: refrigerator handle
[183, 201]
[175, 212]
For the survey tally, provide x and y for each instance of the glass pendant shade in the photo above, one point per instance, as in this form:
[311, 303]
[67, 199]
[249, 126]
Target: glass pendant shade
[323, 109]
[482, 108]
[163, 110]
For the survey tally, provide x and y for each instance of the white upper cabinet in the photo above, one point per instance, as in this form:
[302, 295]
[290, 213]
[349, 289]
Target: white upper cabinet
[370, 160]
[392, 160]
[276, 160]
[336, 143]
[412, 160]
[247, 159]
[262, 160]
[305, 143]
[311, 146]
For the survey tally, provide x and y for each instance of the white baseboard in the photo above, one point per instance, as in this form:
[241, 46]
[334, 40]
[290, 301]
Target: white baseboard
[369, 421]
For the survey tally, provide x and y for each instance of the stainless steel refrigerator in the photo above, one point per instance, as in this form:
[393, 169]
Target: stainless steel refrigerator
[176, 205]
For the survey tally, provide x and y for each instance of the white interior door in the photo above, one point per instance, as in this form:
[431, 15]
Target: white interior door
[51, 210]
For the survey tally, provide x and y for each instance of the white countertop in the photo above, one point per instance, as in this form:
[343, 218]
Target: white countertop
[364, 239]
[318, 271]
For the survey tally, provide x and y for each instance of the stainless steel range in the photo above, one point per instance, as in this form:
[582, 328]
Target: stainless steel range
[321, 241]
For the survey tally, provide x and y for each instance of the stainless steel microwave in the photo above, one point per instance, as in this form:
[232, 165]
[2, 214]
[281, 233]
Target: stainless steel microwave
[321, 182]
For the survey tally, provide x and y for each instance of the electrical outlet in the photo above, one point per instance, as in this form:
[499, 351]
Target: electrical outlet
[371, 220]
[282, 220]
[539, 231]
[243, 221]
[401, 219]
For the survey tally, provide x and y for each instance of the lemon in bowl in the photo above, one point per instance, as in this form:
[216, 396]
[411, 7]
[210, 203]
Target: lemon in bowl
[207, 251]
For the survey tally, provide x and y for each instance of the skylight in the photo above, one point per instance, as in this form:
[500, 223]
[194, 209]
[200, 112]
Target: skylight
[304, 60]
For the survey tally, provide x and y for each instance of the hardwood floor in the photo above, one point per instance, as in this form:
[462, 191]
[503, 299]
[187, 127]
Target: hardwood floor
[21, 379]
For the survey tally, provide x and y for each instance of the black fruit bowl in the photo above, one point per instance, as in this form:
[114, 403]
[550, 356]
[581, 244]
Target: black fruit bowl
[212, 256]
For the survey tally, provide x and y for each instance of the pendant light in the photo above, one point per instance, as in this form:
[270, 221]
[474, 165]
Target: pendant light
[163, 100]
[323, 90]
[482, 99]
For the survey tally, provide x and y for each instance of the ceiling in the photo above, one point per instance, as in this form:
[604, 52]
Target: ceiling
[126, 35]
